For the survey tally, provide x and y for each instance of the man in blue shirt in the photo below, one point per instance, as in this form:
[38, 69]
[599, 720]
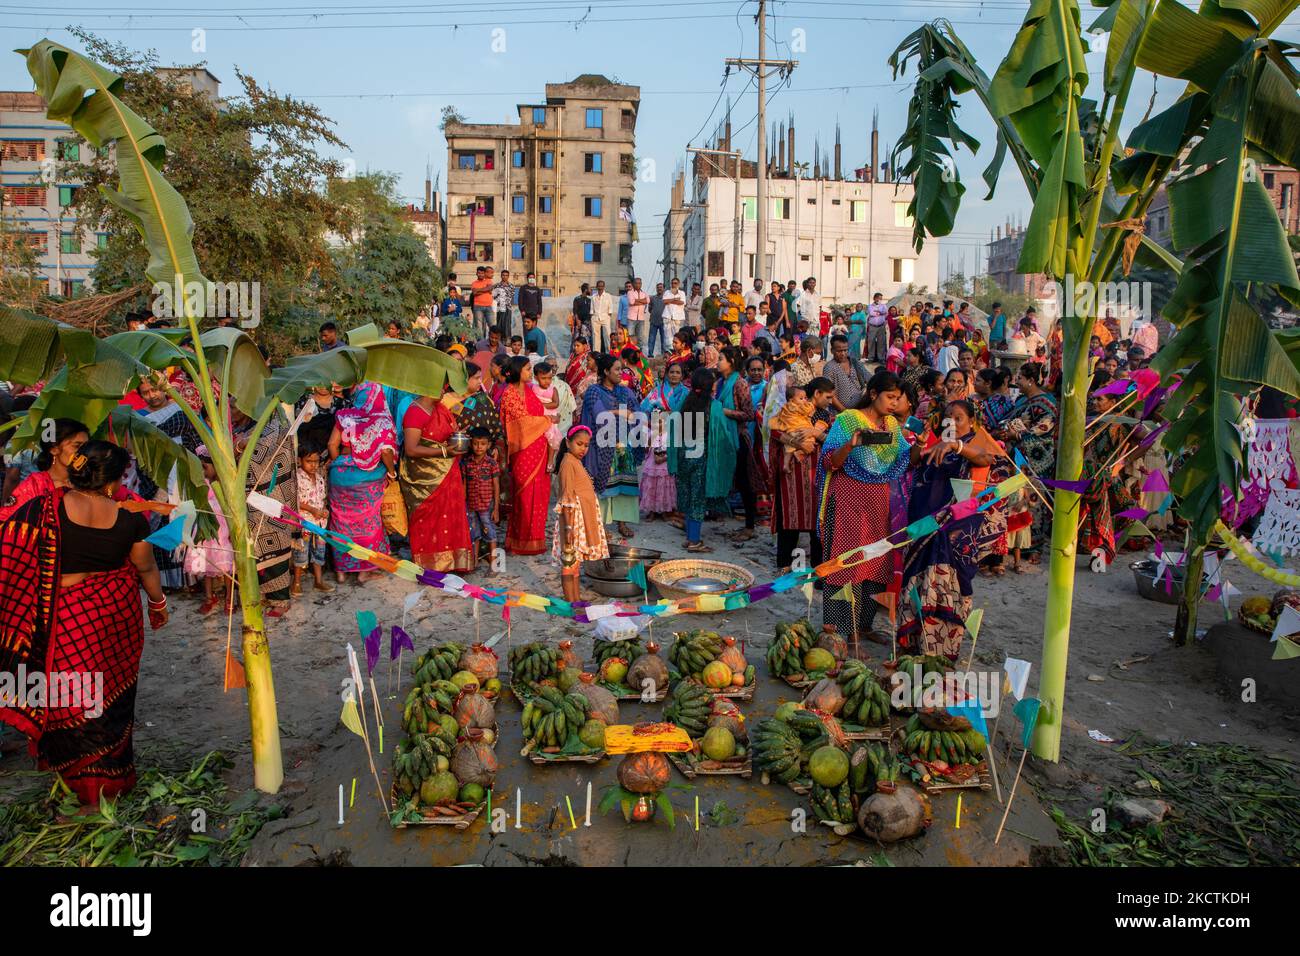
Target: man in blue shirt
[534, 338]
[623, 305]
[997, 328]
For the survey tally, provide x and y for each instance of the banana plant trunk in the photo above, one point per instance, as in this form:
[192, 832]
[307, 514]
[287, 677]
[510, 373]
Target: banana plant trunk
[1185, 623]
[1064, 543]
[268, 767]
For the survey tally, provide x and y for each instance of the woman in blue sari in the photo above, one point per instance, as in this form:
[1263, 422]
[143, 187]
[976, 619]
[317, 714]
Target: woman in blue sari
[941, 566]
[610, 461]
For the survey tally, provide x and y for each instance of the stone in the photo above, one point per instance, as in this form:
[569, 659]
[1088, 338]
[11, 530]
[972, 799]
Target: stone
[1135, 813]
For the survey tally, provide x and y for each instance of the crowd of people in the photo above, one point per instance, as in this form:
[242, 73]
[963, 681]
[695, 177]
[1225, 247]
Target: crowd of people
[835, 426]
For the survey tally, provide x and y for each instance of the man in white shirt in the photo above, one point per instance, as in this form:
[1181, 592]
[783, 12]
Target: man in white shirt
[602, 318]
[946, 361]
[755, 296]
[877, 329]
[808, 305]
[1028, 338]
[638, 313]
[674, 310]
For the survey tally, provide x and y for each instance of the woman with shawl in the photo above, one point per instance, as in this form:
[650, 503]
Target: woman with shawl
[72, 565]
[861, 501]
[432, 486]
[611, 463]
[363, 456]
[525, 423]
[477, 411]
[576, 370]
[693, 441]
[636, 370]
[792, 453]
[1032, 428]
[941, 566]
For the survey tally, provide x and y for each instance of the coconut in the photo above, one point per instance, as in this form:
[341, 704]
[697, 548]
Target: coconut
[830, 640]
[473, 760]
[603, 706]
[472, 709]
[890, 817]
[649, 666]
[826, 696]
[479, 661]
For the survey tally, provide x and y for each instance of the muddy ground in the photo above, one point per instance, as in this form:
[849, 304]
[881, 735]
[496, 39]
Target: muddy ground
[1125, 676]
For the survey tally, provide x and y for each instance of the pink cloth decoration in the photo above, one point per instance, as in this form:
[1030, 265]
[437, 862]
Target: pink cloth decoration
[1146, 381]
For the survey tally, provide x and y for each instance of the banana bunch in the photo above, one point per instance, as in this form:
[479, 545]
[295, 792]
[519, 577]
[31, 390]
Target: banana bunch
[950, 746]
[419, 757]
[872, 764]
[551, 717]
[533, 662]
[835, 805]
[628, 650]
[690, 707]
[785, 653]
[866, 702]
[424, 703]
[777, 749]
[695, 650]
[437, 663]
[928, 663]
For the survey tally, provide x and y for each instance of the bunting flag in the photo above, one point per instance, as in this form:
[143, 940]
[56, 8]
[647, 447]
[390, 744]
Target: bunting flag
[962, 488]
[1156, 482]
[398, 641]
[915, 597]
[973, 711]
[1133, 514]
[1017, 676]
[1147, 381]
[1018, 457]
[637, 576]
[1288, 623]
[1286, 649]
[170, 536]
[350, 718]
[1027, 710]
[1078, 487]
[235, 676]
[1117, 387]
[368, 625]
[973, 622]
[890, 601]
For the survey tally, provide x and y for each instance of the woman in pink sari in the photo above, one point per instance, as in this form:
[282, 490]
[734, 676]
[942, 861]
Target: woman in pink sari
[432, 487]
[363, 451]
[525, 423]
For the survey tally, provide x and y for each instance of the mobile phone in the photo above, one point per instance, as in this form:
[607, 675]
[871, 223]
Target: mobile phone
[871, 437]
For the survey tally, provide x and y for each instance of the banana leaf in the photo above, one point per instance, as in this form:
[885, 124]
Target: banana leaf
[1038, 87]
[156, 454]
[1180, 43]
[33, 346]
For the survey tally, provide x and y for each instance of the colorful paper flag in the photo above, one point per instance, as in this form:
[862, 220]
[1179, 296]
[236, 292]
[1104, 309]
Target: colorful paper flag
[1286, 649]
[169, 536]
[1027, 710]
[973, 711]
[1078, 487]
[1133, 514]
[915, 597]
[962, 488]
[268, 506]
[1017, 672]
[1018, 457]
[973, 622]
[1156, 482]
[1288, 623]
[398, 640]
[923, 526]
[350, 718]
[235, 676]
[637, 576]
[368, 625]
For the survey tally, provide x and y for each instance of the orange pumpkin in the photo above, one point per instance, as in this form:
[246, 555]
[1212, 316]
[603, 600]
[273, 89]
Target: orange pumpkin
[644, 772]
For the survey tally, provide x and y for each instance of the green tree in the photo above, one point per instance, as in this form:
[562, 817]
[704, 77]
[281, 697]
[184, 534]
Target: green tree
[1090, 194]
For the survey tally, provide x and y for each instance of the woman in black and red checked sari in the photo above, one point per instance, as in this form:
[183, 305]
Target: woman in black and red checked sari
[72, 563]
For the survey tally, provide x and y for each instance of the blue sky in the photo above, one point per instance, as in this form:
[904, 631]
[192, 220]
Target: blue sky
[384, 71]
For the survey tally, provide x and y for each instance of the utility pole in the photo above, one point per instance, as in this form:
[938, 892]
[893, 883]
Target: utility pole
[760, 69]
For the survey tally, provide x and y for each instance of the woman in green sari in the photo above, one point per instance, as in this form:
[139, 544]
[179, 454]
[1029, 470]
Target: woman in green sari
[701, 456]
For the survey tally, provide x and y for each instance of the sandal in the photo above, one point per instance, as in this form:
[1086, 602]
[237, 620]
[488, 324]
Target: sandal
[698, 547]
[295, 590]
[324, 586]
[278, 610]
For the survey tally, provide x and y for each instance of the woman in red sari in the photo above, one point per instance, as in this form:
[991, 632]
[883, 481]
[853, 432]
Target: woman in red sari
[72, 563]
[432, 486]
[576, 370]
[52, 462]
[524, 419]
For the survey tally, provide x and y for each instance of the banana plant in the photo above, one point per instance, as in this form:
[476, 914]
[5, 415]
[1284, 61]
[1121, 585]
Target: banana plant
[87, 377]
[1090, 191]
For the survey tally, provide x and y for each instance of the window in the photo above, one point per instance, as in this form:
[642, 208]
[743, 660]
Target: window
[627, 120]
[828, 258]
[1268, 180]
[517, 158]
[835, 202]
[486, 205]
[517, 249]
[591, 162]
[483, 251]
[595, 119]
[750, 206]
[780, 207]
[69, 150]
[627, 164]
[38, 241]
[548, 159]
[812, 201]
[858, 210]
[856, 264]
[903, 269]
[22, 150]
[543, 250]
[518, 204]
[544, 204]
[67, 195]
[591, 252]
[901, 218]
[101, 241]
[625, 253]
[591, 207]
[539, 115]
[805, 258]
[462, 252]
[717, 264]
[69, 288]
[24, 195]
[466, 161]
[68, 244]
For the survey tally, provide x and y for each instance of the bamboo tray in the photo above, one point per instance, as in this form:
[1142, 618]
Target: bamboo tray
[626, 692]
[541, 759]
[461, 821]
[980, 780]
[745, 692]
[802, 789]
[883, 733]
[742, 767]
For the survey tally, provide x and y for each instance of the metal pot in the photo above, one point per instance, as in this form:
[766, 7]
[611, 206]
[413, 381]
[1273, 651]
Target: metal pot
[648, 555]
[458, 443]
[1144, 574]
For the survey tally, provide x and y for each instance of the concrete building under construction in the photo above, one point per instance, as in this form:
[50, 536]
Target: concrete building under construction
[853, 234]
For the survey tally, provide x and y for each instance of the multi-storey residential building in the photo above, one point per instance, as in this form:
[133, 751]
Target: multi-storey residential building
[550, 194]
[855, 237]
[1004, 254]
[674, 261]
[36, 191]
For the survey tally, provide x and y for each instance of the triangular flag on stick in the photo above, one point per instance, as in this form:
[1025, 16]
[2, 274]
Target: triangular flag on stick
[350, 718]
[368, 625]
[1156, 482]
[973, 625]
[637, 576]
[398, 640]
[169, 536]
[1027, 710]
[1286, 649]
[1017, 672]
[1288, 623]
[844, 594]
[235, 676]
